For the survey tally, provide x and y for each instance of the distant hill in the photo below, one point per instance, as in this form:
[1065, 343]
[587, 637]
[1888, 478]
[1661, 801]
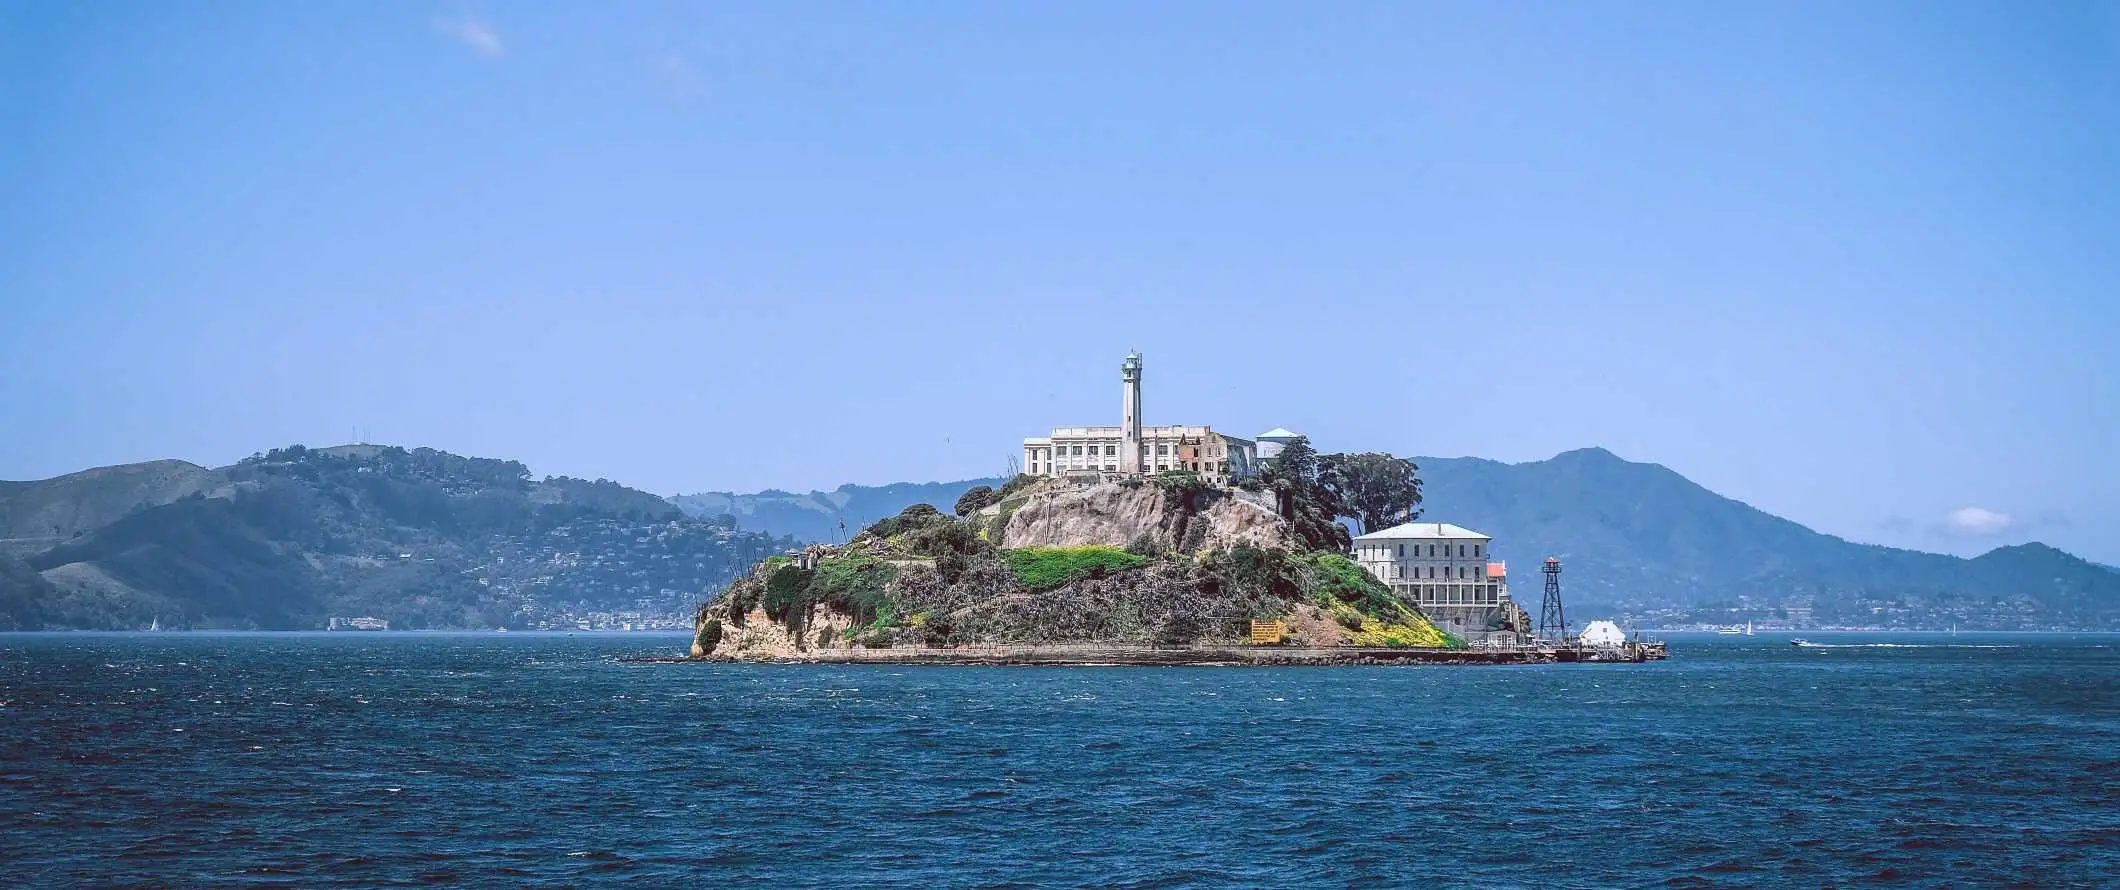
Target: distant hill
[1642, 534]
[289, 538]
[815, 516]
[1636, 536]
[35, 516]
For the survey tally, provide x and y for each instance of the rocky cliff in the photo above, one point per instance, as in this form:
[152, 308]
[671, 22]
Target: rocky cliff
[1056, 514]
[1147, 562]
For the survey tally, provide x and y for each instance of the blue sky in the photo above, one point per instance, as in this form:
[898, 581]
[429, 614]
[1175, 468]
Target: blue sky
[1853, 263]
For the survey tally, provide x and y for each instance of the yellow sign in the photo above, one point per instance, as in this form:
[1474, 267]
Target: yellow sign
[1268, 631]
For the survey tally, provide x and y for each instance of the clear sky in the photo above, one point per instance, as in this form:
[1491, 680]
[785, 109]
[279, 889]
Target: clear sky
[1856, 263]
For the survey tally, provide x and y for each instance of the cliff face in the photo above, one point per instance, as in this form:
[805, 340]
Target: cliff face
[1046, 566]
[1120, 515]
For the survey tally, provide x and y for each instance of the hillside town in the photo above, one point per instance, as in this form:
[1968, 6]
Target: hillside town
[610, 574]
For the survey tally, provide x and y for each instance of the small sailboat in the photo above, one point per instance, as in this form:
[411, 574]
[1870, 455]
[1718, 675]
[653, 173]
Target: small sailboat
[1748, 628]
[155, 626]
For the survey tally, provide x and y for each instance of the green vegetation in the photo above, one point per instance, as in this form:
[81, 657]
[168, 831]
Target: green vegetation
[1152, 592]
[1374, 489]
[975, 499]
[709, 636]
[910, 519]
[853, 584]
[1015, 484]
[1044, 568]
[1304, 499]
[787, 596]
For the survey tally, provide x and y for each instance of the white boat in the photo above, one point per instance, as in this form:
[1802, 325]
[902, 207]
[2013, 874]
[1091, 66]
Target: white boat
[1748, 628]
[155, 626]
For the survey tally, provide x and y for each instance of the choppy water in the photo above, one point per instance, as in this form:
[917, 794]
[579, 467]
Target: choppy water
[365, 759]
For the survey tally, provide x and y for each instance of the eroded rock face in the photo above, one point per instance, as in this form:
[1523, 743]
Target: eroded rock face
[761, 638]
[1116, 515]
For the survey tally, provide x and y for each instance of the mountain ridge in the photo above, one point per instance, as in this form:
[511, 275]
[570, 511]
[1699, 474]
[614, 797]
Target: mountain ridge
[285, 539]
[1644, 538]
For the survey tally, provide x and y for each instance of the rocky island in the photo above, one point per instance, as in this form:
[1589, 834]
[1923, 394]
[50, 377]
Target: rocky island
[1164, 568]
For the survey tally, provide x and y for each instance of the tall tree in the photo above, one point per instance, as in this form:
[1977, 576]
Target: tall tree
[1307, 494]
[1374, 489]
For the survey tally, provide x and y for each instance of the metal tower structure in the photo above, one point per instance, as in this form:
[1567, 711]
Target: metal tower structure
[1552, 622]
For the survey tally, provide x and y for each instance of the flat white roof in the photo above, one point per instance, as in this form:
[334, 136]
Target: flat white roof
[1425, 530]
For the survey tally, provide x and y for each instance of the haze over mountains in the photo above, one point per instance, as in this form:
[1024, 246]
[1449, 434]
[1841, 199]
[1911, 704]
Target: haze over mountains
[1633, 536]
[293, 537]
[425, 538]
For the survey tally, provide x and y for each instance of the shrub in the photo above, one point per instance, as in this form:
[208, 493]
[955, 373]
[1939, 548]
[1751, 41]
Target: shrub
[1145, 546]
[853, 584]
[1015, 484]
[787, 592]
[975, 499]
[1252, 572]
[742, 596]
[1044, 568]
[939, 632]
[709, 636]
[912, 518]
[944, 538]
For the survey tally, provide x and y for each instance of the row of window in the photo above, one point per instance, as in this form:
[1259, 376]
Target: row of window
[1216, 467]
[1464, 573]
[1457, 594]
[1461, 551]
[1109, 450]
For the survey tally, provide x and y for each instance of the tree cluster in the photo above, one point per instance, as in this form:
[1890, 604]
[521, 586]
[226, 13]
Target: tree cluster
[1313, 491]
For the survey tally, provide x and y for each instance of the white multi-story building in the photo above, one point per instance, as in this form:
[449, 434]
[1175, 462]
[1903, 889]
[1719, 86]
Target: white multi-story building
[1447, 570]
[1131, 449]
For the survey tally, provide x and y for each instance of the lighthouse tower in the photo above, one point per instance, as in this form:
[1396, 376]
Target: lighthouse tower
[1130, 429]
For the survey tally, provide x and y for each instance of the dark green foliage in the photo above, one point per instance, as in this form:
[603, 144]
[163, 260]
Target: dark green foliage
[787, 597]
[709, 636]
[1310, 504]
[1349, 620]
[853, 584]
[1014, 484]
[1145, 546]
[975, 499]
[912, 518]
[945, 538]
[1181, 489]
[1251, 572]
[1375, 489]
[1180, 627]
[939, 632]
[1330, 577]
[1044, 568]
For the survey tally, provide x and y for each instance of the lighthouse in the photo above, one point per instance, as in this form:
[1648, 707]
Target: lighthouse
[1130, 426]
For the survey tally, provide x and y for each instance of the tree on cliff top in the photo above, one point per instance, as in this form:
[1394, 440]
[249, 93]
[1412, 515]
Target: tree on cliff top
[1307, 495]
[1376, 490]
[975, 499]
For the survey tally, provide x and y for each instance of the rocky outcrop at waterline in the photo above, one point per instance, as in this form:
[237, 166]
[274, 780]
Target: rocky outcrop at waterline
[1167, 562]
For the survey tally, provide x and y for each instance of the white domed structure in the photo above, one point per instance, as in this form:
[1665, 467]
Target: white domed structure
[1603, 635]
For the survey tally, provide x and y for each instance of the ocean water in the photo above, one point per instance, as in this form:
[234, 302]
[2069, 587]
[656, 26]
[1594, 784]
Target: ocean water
[482, 759]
